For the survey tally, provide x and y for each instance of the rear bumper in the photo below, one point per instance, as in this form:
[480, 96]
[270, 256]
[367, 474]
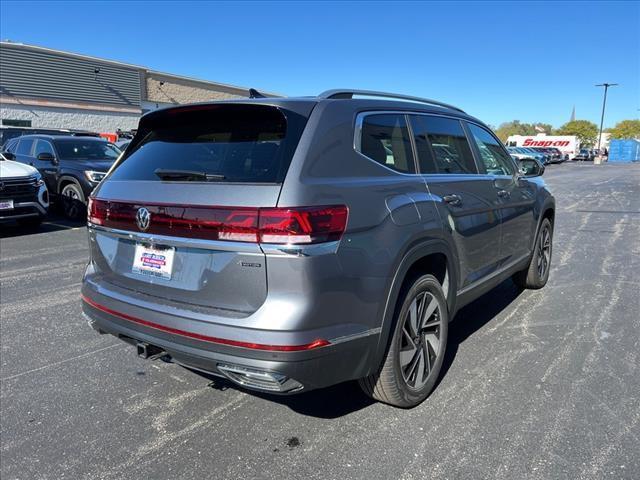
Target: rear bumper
[343, 358]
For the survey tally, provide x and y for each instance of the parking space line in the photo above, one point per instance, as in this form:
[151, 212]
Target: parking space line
[60, 225]
[60, 362]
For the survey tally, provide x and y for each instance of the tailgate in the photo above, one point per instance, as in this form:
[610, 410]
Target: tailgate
[173, 218]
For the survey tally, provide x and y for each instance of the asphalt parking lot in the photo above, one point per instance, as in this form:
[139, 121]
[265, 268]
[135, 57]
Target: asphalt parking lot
[537, 384]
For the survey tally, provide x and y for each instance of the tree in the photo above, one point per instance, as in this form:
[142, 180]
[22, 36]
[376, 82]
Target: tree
[626, 129]
[586, 131]
[515, 127]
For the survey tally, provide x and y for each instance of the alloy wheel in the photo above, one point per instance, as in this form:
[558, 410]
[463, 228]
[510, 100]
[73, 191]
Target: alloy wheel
[544, 252]
[72, 201]
[420, 342]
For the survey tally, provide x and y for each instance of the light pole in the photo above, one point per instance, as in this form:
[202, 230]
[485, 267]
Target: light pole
[604, 103]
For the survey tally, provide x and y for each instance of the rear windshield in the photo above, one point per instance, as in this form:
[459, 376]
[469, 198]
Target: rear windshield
[233, 142]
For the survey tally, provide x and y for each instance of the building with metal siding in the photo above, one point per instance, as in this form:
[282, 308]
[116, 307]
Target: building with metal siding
[40, 87]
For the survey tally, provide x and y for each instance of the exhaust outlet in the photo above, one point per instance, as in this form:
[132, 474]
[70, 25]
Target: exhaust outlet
[259, 379]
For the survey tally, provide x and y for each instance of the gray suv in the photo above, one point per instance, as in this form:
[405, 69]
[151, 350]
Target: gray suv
[292, 244]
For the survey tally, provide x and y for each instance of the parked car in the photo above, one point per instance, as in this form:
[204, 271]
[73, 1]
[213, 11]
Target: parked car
[71, 166]
[583, 155]
[553, 154]
[8, 132]
[23, 193]
[292, 244]
[529, 153]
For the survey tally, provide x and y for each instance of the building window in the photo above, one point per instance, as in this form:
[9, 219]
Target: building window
[16, 123]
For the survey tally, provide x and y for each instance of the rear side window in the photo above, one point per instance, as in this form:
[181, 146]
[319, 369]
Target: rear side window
[385, 139]
[495, 159]
[442, 145]
[233, 143]
[24, 146]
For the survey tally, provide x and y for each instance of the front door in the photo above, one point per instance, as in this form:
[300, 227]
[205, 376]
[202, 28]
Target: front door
[516, 197]
[47, 168]
[467, 200]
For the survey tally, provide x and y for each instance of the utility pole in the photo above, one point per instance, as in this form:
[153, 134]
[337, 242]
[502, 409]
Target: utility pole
[604, 103]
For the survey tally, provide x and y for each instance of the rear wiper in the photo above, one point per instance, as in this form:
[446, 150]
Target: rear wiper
[187, 175]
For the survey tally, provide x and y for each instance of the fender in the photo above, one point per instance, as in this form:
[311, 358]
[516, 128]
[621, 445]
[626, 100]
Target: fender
[64, 178]
[549, 204]
[413, 254]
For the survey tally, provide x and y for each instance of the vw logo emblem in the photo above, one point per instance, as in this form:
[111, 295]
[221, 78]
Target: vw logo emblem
[143, 218]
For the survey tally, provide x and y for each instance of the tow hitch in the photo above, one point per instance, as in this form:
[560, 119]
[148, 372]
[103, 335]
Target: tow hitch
[150, 352]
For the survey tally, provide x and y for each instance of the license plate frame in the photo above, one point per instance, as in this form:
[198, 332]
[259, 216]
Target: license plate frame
[153, 261]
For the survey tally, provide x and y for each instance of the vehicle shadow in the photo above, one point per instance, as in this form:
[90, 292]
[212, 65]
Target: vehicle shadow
[51, 223]
[476, 315]
[345, 398]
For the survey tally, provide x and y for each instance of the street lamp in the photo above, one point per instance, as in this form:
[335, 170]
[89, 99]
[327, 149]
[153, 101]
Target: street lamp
[604, 103]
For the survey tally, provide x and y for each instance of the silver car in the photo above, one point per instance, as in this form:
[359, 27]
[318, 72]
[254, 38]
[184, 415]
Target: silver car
[292, 244]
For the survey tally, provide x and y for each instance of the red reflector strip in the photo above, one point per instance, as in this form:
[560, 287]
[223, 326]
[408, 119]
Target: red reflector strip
[205, 338]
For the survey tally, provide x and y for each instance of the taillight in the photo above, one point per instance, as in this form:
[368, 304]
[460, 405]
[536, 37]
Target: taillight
[300, 225]
[96, 211]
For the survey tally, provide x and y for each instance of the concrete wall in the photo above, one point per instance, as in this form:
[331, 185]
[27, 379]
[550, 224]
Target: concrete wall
[52, 117]
[167, 89]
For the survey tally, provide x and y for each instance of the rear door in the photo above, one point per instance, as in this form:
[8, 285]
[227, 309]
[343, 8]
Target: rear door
[516, 197]
[466, 199]
[173, 219]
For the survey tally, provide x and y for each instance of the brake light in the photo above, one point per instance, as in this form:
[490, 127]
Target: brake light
[300, 225]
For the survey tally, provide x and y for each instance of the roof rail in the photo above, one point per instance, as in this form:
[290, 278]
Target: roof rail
[348, 94]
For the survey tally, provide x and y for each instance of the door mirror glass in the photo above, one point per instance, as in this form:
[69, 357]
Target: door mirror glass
[47, 157]
[529, 167]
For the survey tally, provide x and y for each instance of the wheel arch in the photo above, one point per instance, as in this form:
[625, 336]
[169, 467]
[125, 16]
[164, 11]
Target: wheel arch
[435, 257]
[65, 180]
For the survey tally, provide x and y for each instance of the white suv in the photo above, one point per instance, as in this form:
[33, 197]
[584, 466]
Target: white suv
[23, 193]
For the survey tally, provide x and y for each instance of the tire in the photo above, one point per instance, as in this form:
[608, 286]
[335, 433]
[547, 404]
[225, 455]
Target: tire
[535, 276]
[30, 222]
[414, 359]
[73, 202]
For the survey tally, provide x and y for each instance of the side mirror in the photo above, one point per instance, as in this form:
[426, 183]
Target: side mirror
[529, 167]
[47, 157]
[8, 155]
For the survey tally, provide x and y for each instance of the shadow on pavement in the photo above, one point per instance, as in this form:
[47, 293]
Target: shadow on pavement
[345, 398]
[51, 223]
[476, 315]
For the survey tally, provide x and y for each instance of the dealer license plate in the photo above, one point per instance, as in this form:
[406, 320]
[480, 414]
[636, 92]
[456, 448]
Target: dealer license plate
[6, 204]
[153, 261]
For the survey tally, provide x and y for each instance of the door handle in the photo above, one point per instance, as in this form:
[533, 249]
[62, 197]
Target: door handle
[453, 199]
[504, 194]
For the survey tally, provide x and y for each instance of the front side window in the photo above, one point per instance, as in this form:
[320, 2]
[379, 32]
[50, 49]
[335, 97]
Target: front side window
[24, 146]
[442, 145]
[496, 161]
[73, 149]
[42, 146]
[11, 145]
[385, 139]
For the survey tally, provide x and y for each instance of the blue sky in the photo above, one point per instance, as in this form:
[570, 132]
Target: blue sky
[498, 60]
